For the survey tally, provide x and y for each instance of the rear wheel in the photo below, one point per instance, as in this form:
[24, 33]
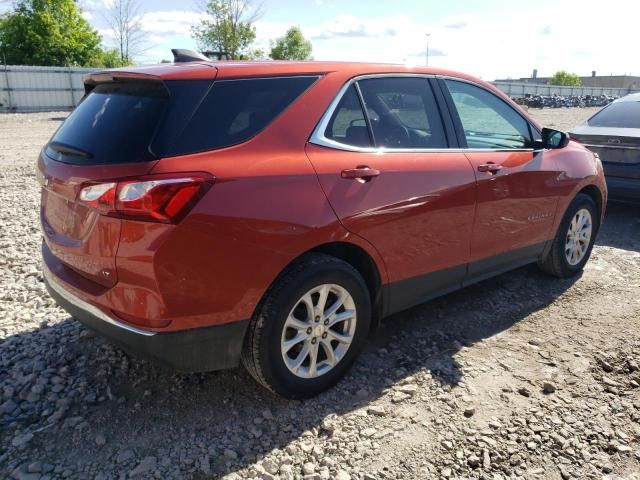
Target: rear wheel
[574, 240]
[309, 328]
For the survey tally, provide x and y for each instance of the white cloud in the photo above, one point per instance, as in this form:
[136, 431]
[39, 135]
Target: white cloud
[170, 22]
[495, 44]
[107, 34]
[490, 46]
[351, 27]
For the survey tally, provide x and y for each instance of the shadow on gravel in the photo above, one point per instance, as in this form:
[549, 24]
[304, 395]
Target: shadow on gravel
[621, 228]
[93, 410]
[82, 405]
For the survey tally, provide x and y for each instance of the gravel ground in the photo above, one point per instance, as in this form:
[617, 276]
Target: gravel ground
[522, 376]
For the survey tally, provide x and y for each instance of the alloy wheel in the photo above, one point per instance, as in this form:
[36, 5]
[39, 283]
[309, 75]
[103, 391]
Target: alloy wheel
[578, 236]
[318, 331]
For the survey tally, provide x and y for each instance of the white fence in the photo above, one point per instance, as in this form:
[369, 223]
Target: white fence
[41, 89]
[519, 89]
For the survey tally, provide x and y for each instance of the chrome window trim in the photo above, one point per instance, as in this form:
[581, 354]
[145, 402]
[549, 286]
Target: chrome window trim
[271, 77]
[87, 307]
[318, 138]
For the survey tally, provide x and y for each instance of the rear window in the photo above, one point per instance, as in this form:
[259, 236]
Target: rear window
[236, 110]
[619, 115]
[114, 124]
[140, 121]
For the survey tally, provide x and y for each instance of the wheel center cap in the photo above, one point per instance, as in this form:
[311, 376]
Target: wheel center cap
[318, 330]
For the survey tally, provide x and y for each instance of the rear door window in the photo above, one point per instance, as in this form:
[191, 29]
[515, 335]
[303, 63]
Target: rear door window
[403, 113]
[113, 124]
[236, 110]
[618, 115]
[348, 124]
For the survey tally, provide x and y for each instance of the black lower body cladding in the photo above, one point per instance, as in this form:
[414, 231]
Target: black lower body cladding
[194, 350]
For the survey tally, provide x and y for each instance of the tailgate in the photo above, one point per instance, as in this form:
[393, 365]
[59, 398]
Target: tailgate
[108, 136]
[117, 131]
[77, 235]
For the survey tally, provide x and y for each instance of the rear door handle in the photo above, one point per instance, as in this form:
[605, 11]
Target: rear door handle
[489, 167]
[363, 173]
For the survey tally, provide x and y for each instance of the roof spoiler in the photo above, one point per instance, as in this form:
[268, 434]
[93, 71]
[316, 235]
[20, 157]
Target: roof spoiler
[181, 55]
[92, 79]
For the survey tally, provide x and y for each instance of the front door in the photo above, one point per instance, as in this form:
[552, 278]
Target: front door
[516, 205]
[415, 206]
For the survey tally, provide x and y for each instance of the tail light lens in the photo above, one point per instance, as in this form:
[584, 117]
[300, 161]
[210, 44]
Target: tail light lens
[158, 198]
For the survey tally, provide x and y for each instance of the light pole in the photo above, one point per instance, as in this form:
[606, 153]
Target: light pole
[427, 35]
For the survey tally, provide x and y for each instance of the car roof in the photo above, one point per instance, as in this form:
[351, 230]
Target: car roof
[245, 69]
[632, 97]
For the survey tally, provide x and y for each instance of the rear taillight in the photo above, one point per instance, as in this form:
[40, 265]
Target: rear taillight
[160, 198]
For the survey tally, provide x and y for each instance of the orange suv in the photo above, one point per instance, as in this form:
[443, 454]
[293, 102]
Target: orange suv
[271, 213]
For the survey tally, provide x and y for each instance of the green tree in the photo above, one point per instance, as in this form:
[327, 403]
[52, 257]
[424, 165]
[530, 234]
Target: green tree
[228, 29]
[48, 32]
[565, 79]
[291, 46]
[108, 58]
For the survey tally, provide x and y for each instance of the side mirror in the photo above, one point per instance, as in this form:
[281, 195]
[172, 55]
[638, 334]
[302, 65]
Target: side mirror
[554, 138]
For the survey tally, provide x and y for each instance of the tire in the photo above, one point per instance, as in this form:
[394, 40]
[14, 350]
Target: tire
[558, 261]
[264, 346]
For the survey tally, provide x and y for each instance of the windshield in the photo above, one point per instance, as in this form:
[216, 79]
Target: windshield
[619, 115]
[114, 124]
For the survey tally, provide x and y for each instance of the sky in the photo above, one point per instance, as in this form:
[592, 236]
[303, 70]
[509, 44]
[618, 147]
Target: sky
[488, 38]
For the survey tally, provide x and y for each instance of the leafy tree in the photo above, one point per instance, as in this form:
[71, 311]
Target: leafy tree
[48, 32]
[291, 46]
[565, 79]
[257, 54]
[229, 28]
[109, 58]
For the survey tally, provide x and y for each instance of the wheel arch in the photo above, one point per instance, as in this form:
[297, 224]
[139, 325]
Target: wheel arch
[358, 258]
[595, 194]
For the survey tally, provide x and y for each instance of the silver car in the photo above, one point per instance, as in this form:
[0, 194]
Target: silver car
[614, 134]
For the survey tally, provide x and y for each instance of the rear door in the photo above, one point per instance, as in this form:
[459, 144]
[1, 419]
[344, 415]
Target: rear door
[517, 197]
[391, 179]
[108, 136]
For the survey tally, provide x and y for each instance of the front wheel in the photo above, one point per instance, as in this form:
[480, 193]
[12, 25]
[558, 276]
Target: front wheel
[309, 328]
[574, 240]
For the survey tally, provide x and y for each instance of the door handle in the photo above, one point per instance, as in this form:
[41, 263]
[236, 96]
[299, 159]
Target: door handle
[489, 167]
[362, 173]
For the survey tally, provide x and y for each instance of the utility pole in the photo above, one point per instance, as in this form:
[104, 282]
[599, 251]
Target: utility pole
[427, 35]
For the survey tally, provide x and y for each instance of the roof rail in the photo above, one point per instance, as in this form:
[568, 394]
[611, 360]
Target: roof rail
[181, 55]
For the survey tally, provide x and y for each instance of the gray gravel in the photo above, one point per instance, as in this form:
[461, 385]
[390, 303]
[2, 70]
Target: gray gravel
[522, 376]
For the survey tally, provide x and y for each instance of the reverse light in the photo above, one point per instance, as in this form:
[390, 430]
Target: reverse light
[159, 198]
[100, 196]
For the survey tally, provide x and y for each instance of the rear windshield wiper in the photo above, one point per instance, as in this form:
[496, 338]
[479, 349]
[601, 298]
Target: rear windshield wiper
[69, 150]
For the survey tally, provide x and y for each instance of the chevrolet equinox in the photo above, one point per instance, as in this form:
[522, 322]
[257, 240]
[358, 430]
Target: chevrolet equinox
[208, 214]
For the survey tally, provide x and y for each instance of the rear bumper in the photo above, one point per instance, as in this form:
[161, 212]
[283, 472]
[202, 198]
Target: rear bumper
[621, 188]
[194, 350]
